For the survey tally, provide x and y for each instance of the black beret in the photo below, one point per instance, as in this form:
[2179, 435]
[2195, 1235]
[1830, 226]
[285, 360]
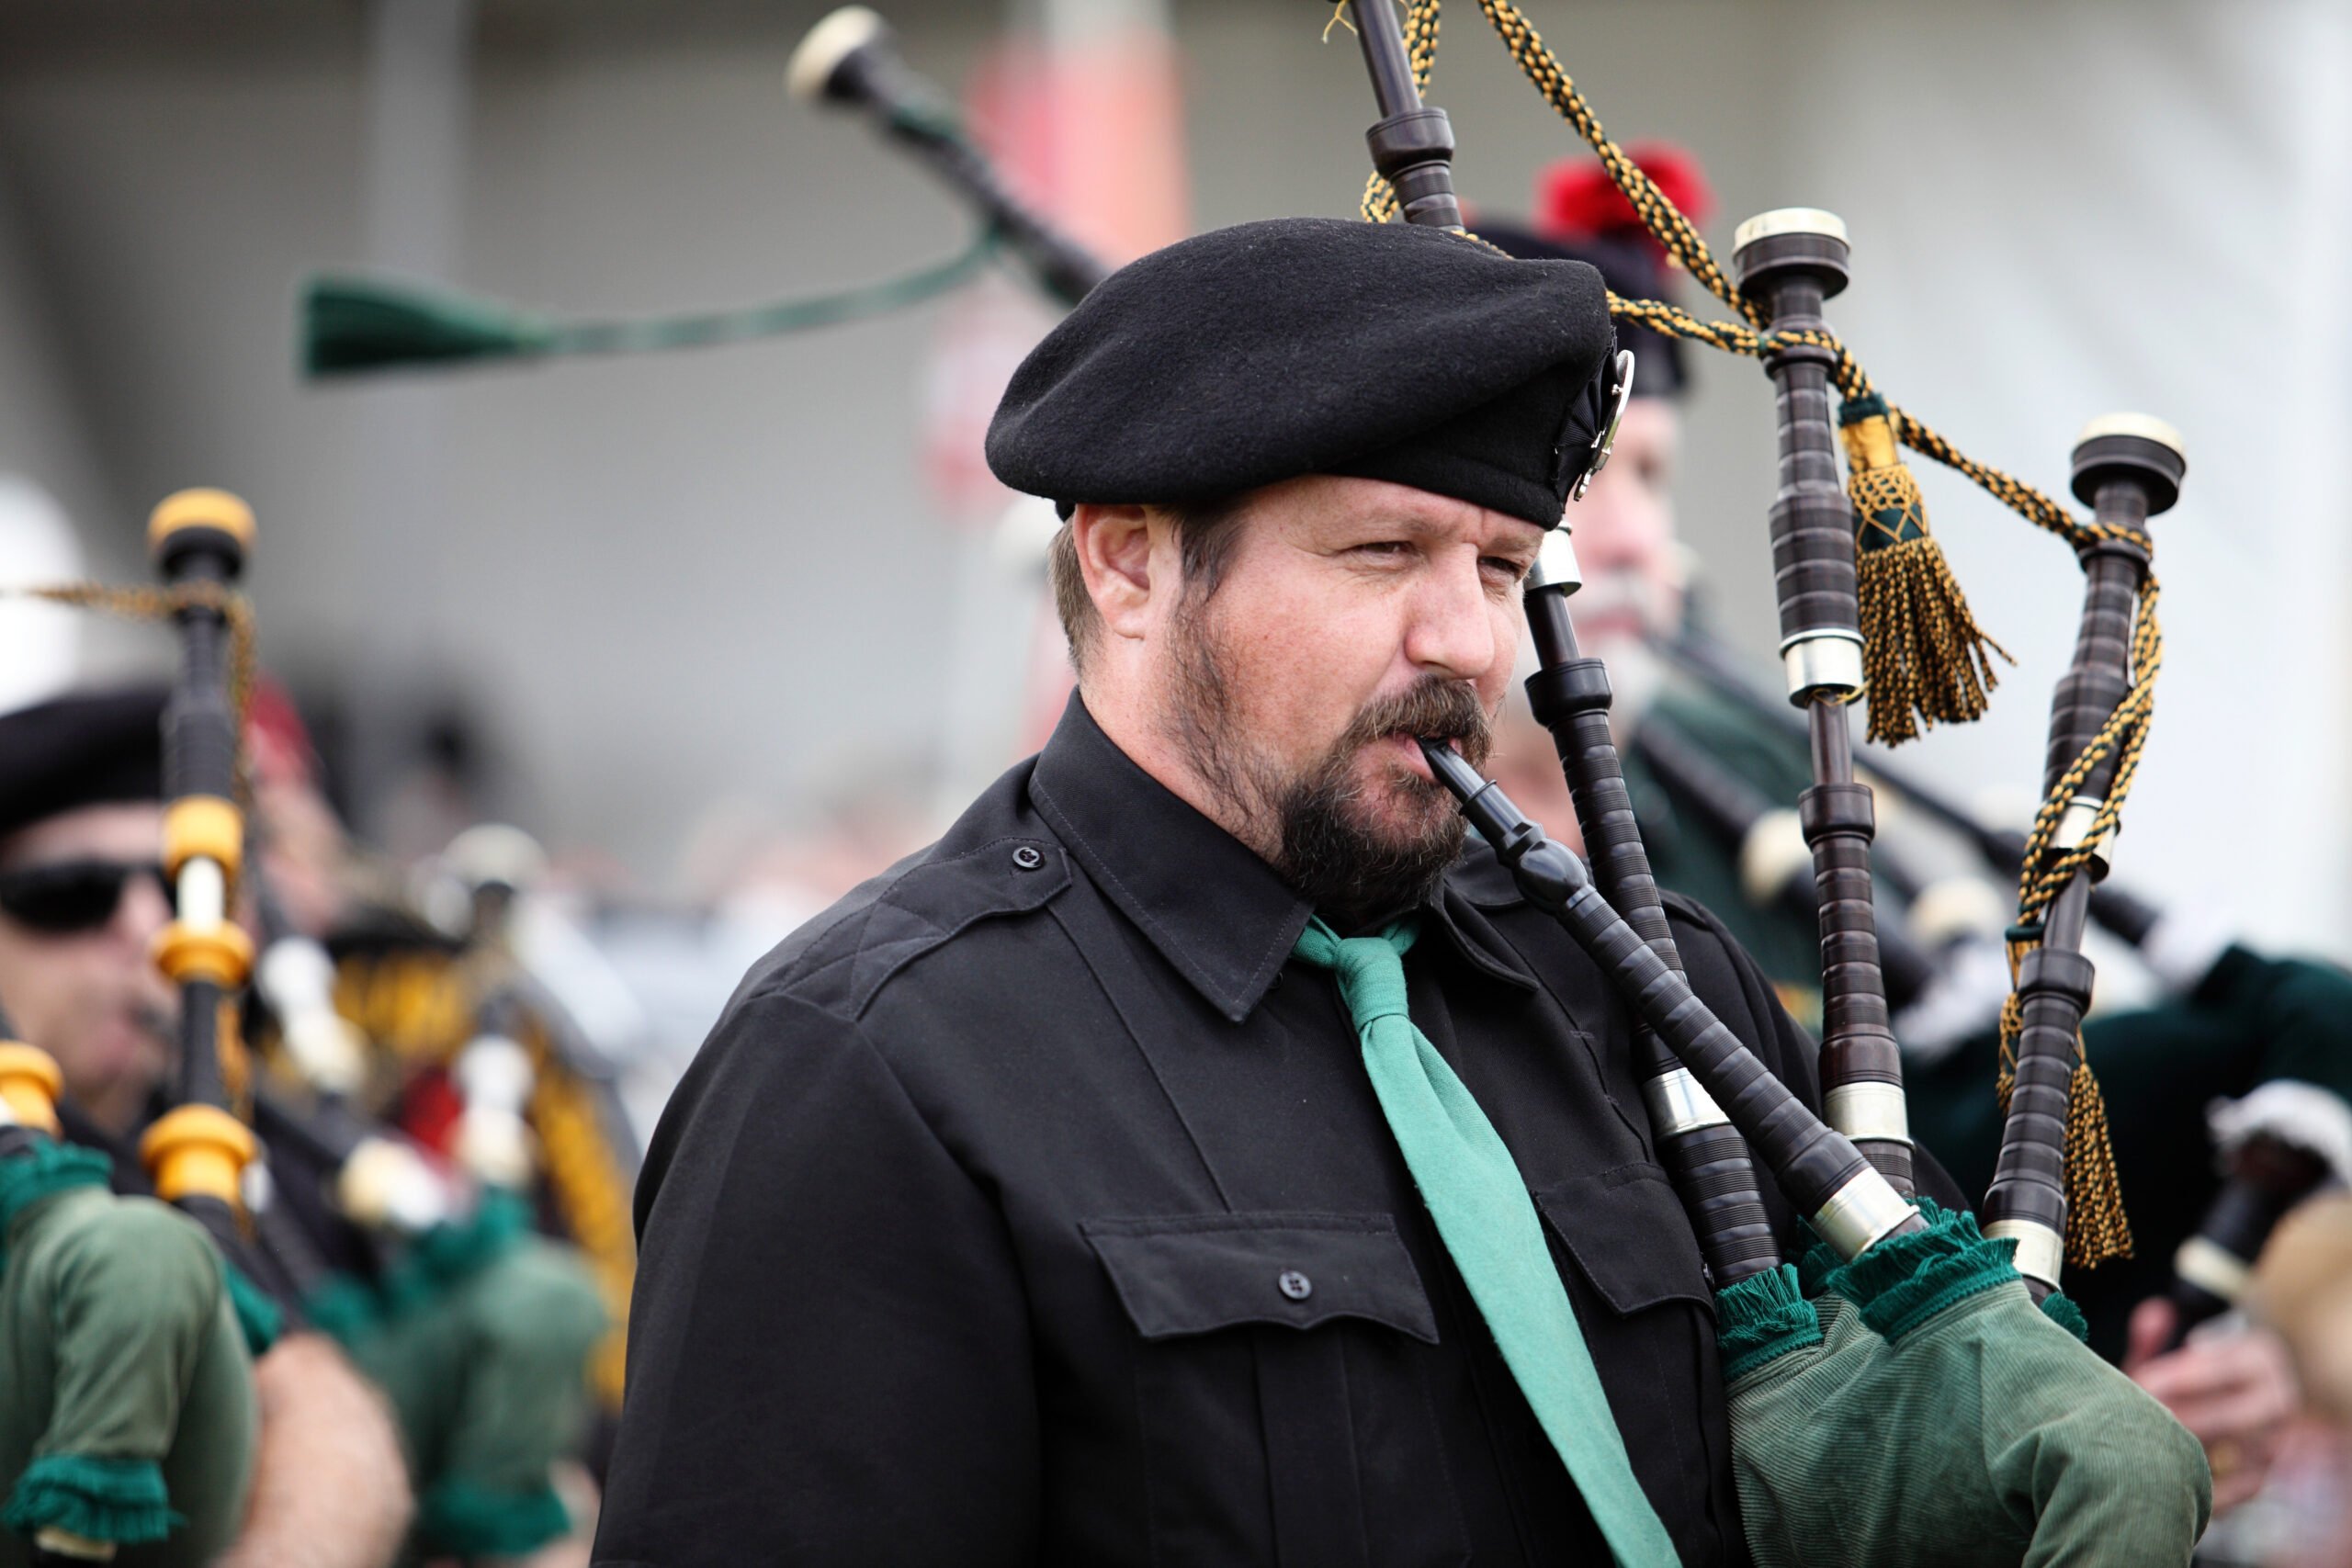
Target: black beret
[90, 748]
[1305, 345]
[1630, 266]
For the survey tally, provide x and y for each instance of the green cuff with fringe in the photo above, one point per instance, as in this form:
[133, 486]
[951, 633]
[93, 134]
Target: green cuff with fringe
[2059, 1309]
[47, 1170]
[120, 1500]
[1762, 1318]
[1905, 1280]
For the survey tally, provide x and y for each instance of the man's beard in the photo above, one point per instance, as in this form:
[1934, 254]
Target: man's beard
[1317, 826]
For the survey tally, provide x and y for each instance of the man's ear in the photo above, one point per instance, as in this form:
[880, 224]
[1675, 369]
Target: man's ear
[1113, 546]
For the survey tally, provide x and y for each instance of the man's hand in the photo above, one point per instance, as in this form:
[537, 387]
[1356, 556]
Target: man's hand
[329, 1488]
[2234, 1392]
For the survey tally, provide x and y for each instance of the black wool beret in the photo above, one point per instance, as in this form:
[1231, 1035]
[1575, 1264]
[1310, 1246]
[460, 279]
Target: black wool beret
[1310, 345]
[90, 748]
[1628, 265]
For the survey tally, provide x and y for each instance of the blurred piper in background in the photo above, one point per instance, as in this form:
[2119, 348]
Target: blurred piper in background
[477, 1333]
[82, 900]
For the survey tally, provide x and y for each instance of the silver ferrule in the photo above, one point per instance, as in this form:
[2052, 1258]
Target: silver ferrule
[2074, 826]
[2211, 1269]
[1555, 564]
[2146, 426]
[1823, 661]
[1679, 1104]
[203, 893]
[1871, 1111]
[1861, 1215]
[1788, 220]
[2042, 1252]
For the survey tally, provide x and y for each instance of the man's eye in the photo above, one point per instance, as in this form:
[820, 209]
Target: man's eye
[1390, 548]
[1512, 569]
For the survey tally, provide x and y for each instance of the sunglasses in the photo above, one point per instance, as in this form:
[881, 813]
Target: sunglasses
[70, 896]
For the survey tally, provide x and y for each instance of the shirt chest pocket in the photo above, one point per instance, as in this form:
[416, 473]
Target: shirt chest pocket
[1642, 1298]
[1295, 1340]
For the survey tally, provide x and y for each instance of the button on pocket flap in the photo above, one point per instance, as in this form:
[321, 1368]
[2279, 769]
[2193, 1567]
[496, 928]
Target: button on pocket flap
[1628, 1234]
[1197, 1273]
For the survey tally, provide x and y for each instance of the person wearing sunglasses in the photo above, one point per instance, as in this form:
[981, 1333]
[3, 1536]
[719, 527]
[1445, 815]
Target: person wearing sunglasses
[81, 900]
[82, 895]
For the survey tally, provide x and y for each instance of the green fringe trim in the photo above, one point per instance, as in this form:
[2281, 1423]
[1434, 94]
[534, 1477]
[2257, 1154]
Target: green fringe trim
[1816, 1260]
[1902, 1283]
[348, 1309]
[259, 1319]
[47, 1169]
[44, 1172]
[1761, 1319]
[120, 1500]
[449, 1254]
[2059, 1310]
[460, 1519]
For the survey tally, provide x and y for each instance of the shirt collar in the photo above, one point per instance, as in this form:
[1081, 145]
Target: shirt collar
[1217, 911]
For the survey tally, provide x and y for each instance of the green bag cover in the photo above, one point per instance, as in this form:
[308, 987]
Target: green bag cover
[1984, 1433]
[126, 1392]
[487, 1375]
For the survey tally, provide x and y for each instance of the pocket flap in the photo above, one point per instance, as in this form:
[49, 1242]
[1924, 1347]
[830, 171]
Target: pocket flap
[1629, 1235]
[1196, 1273]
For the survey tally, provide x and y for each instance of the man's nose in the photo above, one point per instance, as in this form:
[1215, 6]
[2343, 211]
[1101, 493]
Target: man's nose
[1606, 534]
[1451, 632]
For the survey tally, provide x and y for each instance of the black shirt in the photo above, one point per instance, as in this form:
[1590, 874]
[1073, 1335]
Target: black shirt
[966, 1238]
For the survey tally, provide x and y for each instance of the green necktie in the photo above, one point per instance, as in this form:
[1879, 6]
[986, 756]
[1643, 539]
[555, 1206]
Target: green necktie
[1489, 1224]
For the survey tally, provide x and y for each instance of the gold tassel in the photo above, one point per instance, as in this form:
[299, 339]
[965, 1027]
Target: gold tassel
[2096, 1228]
[1923, 654]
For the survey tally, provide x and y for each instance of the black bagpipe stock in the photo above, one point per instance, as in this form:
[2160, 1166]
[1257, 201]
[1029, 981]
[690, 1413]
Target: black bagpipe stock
[1706, 1158]
[1825, 1175]
[2128, 468]
[1789, 263]
[850, 57]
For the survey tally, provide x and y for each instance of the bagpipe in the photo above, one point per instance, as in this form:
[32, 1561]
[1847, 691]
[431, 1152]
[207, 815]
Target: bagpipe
[1946, 1343]
[2274, 1146]
[130, 1418]
[352, 325]
[145, 1329]
[197, 1154]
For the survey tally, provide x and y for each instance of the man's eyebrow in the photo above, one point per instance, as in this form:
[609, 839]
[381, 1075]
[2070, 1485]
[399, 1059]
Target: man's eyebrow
[1421, 524]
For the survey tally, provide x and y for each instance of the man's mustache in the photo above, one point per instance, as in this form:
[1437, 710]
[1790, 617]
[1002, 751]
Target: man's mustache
[1441, 710]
